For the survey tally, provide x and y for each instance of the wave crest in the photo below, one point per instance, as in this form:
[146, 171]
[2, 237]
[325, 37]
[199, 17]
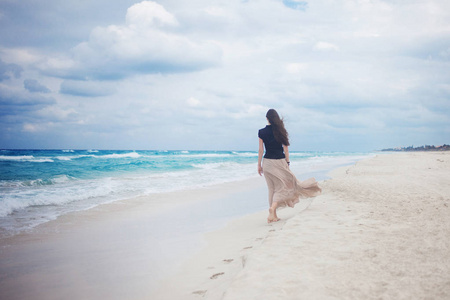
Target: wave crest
[27, 158]
[123, 155]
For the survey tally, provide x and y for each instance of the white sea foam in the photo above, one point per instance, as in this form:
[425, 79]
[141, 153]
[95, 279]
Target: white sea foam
[123, 155]
[71, 157]
[21, 157]
[42, 160]
[66, 158]
[209, 166]
[246, 154]
[211, 155]
[59, 191]
[4, 184]
[28, 158]
[299, 154]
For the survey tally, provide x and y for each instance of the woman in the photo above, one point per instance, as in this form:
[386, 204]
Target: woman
[284, 188]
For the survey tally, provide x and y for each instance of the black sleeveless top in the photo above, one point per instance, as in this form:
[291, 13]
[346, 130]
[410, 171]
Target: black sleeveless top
[274, 149]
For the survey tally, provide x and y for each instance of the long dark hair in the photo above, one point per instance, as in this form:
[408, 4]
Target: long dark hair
[277, 123]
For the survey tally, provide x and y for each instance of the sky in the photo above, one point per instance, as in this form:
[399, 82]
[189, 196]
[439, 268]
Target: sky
[346, 75]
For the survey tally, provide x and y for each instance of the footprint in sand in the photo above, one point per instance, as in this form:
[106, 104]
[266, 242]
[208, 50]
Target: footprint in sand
[216, 275]
[200, 293]
[228, 260]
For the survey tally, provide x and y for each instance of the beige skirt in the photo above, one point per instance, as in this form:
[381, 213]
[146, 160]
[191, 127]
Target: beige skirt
[284, 187]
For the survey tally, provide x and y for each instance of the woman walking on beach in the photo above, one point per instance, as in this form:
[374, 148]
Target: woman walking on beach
[284, 188]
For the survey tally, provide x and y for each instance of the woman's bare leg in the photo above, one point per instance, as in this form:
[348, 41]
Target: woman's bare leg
[273, 213]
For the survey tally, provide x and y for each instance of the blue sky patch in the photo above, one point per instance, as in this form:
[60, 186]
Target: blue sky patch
[299, 5]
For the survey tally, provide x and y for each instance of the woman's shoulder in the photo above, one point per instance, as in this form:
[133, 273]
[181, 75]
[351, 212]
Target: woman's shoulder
[264, 131]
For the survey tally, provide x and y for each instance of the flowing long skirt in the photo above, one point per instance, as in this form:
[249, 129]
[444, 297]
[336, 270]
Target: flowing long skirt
[284, 187]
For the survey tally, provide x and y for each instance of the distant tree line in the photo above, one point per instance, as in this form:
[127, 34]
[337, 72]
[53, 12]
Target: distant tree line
[421, 148]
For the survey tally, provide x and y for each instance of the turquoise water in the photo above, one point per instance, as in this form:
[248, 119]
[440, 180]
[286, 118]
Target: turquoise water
[39, 185]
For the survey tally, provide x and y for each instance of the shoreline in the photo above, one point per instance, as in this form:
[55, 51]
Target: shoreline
[34, 204]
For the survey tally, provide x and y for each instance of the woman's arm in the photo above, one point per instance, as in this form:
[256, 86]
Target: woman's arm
[286, 153]
[260, 155]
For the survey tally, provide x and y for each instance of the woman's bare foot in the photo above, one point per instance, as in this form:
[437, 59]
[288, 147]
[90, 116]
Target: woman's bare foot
[275, 213]
[272, 216]
[276, 217]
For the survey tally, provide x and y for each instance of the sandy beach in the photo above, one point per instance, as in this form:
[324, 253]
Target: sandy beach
[380, 231]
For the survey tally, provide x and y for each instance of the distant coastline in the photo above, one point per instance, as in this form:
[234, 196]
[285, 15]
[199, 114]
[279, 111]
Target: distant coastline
[421, 148]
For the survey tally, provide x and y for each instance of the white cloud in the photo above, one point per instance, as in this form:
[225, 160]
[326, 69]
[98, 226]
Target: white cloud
[294, 68]
[149, 14]
[324, 46]
[27, 127]
[58, 114]
[146, 44]
[193, 102]
[21, 56]
[87, 88]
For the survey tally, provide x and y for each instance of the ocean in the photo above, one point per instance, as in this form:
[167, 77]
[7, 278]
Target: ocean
[37, 186]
